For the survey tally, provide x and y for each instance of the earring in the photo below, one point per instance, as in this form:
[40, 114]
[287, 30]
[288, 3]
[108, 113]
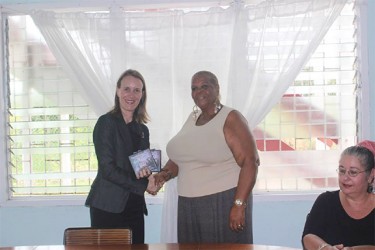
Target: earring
[371, 186]
[218, 106]
[195, 112]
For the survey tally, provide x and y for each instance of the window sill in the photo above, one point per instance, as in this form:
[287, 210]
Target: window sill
[151, 200]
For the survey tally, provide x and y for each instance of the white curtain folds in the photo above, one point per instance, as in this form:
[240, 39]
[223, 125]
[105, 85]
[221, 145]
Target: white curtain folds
[256, 48]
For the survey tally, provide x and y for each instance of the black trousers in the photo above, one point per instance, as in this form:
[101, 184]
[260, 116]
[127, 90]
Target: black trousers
[132, 217]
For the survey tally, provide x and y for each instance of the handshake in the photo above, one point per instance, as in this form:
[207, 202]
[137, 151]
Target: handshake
[155, 180]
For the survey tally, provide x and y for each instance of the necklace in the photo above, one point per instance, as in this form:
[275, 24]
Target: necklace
[203, 119]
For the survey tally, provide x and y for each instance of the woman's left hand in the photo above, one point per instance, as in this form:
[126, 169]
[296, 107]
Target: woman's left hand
[237, 218]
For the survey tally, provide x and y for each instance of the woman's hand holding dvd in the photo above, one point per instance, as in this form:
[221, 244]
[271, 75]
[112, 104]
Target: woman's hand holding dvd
[143, 172]
[144, 162]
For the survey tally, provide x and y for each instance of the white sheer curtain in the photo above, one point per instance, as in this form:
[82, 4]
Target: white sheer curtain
[256, 48]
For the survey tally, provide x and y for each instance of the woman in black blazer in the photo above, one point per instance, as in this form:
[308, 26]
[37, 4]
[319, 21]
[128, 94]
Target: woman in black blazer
[116, 198]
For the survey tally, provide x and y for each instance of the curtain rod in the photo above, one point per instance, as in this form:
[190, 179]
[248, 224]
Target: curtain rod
[25, 6]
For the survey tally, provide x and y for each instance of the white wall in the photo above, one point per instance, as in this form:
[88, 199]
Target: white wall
[276, 221]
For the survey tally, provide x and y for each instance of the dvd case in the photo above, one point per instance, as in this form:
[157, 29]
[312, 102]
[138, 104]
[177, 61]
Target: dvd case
[150, 158]
[156, 154]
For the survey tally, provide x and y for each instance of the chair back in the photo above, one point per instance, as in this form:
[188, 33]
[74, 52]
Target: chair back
[97, 236]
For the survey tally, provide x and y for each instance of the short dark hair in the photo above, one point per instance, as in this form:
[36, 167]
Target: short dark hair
[211, 77]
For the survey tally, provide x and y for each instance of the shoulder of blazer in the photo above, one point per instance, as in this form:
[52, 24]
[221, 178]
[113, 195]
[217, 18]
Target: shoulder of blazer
[107, 122]
[110, 118]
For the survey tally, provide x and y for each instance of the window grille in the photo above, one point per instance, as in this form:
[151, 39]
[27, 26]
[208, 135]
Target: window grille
[50, 125]
[302, 137]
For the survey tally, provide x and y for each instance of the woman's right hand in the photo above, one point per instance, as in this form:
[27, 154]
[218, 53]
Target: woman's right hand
[169, 171]
[161, 178]
[152, 188]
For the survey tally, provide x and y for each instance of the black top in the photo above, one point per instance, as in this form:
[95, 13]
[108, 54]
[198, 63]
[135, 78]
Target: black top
[114, 141]
[328, 220]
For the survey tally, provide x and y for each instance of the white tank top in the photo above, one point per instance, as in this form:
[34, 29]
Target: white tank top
[206, 164]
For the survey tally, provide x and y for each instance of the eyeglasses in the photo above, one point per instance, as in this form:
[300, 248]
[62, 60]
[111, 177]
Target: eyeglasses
[351, 172]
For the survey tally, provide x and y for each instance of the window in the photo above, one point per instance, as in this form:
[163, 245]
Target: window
[50, 125]
[50, 148]
[303, 135]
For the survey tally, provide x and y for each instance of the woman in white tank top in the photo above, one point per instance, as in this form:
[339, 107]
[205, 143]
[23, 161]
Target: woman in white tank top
[216, 160]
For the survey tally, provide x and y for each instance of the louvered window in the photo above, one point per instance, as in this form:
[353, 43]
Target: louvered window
[49, 124]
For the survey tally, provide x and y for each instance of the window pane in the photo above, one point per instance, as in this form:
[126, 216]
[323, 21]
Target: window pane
[50, 125]
[302, 137]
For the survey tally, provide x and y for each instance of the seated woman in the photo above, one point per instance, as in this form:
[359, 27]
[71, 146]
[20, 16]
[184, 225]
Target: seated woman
[345, 219]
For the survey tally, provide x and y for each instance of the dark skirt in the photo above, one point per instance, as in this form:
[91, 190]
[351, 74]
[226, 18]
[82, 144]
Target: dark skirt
[206, 219]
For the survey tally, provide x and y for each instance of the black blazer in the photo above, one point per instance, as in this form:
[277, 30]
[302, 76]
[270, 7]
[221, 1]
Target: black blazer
[114, 141]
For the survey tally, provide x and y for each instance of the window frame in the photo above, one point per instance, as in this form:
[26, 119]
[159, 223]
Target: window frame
[364, 117]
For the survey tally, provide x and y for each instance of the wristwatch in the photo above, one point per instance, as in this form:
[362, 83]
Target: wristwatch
[239, 203]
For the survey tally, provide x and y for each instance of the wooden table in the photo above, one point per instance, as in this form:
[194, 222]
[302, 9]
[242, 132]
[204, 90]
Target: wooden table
[168, 246]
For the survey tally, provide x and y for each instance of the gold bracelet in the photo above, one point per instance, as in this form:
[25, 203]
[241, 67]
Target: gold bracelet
[169, 174]
[322, 246]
